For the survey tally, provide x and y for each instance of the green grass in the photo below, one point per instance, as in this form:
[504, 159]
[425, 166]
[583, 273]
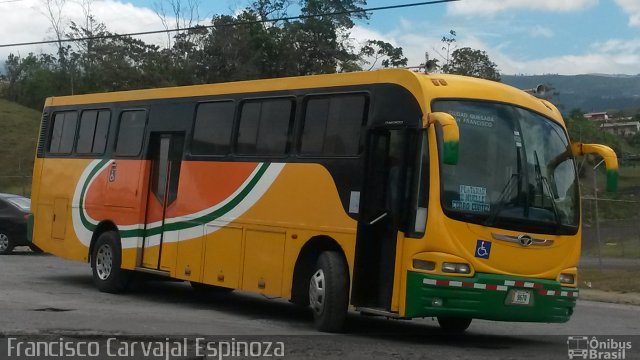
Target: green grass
[629, 249]
[625, 281]
[18, 137]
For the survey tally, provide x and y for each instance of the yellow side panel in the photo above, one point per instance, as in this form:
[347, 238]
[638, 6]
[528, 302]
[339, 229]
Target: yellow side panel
[59, 226]
[263, 259]
[169, 252]
[189, 255]
[222, 258]
[150, 257]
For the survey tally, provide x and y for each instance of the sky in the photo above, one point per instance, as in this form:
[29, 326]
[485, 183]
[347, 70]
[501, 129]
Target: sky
[521, 36]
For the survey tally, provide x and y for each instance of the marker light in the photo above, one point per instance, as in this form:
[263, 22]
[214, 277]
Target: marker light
[423, 264]
[567, 278]
[456, 268]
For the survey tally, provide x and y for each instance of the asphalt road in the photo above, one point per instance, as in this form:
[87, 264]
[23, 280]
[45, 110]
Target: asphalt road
[41, 295]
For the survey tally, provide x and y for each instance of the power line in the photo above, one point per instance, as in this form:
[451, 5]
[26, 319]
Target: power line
[239, 23]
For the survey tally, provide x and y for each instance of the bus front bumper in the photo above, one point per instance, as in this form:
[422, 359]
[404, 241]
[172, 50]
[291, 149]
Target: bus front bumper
[490, 297]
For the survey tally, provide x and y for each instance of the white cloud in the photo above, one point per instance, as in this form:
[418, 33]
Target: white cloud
[24, 21]
[631, 7]
[491, 7]
[614, 56]
[539, 31]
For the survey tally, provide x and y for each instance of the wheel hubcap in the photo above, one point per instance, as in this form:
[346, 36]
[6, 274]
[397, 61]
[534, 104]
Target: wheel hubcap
[104, 262]
[317, 292]
[4, 242]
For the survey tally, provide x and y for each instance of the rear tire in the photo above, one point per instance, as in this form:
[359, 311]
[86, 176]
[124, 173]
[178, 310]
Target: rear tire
[6, 244]
[329, 292]
[454, 325]
[106, 260]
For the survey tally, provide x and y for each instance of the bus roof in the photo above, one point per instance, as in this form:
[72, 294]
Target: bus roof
[424, 87]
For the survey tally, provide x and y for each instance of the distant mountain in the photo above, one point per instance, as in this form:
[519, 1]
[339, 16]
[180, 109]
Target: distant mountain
[590, 93]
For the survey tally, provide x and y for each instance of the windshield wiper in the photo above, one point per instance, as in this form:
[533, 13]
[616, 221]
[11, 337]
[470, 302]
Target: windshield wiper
[506, 191]
[544, 183]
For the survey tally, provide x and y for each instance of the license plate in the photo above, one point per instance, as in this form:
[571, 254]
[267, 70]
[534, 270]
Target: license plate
[520, 297]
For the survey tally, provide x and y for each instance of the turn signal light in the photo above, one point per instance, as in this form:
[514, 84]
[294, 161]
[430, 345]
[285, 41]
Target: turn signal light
[456, 268]
[423, 264]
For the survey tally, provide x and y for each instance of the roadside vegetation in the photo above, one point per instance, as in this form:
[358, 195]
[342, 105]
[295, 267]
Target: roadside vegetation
[18, 137]
[616, 280]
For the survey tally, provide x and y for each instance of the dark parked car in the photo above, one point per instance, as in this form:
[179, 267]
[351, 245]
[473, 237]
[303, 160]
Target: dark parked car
[14, 214]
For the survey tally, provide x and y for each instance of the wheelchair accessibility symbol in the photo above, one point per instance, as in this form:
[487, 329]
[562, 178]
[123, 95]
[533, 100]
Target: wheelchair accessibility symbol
[483, 249]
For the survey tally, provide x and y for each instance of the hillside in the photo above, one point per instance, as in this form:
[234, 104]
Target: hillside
[18, 137]
[586, 92]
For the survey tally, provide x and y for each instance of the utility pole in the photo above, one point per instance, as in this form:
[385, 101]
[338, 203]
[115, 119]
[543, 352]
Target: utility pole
[595, 197]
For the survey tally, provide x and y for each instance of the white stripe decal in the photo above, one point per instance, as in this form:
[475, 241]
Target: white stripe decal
[529, 284]
[455, 283]
[429, 282]
[509, 282]
[501, 288]
[480, 286]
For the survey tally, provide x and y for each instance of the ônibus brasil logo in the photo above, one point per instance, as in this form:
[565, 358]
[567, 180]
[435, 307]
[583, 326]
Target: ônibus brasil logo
[583, 347]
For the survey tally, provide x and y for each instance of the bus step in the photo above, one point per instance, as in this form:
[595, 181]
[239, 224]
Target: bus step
[378, 312]
[153, 271]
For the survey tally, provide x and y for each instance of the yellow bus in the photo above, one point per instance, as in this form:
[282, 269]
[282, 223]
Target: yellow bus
[395, 193]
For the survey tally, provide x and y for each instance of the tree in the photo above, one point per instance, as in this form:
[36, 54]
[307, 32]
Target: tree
[235, 47]
[471, 62]
[448, 44]
[379, 50]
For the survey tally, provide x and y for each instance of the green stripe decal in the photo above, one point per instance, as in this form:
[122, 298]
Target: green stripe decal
[85, 222]
[181, 225]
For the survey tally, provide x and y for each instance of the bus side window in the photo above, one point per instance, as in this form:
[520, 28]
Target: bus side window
[63, 132]
[264, 127]
[94, 128]
[333, 124]
[131, 132]
[212, 129]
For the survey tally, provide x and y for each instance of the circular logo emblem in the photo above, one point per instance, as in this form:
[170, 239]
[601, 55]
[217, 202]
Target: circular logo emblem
[525, 240]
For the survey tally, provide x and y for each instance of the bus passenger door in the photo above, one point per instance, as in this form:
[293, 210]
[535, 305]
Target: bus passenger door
[166, 157]
[383, 203]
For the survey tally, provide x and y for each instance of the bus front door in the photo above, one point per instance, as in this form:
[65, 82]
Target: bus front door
[380, 218]
[166, 157]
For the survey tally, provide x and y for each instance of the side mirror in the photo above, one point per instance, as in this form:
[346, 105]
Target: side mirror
[610, 160]
[450, 133]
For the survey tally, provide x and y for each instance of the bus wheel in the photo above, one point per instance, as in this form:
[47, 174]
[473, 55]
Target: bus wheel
[6, 245]
[454, 325]
[329, 292]
[105, 263]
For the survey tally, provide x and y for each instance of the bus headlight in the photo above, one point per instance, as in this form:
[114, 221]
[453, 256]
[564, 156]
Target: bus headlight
[423, 264]
[456, 268]
[567, 279]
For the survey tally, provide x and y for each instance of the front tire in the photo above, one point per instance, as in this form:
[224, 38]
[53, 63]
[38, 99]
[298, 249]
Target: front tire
[6, 244]
[454, 325]
[106, 260]
[329, 292]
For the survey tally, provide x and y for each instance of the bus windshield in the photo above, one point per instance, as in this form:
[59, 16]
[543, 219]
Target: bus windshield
[515, 170]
